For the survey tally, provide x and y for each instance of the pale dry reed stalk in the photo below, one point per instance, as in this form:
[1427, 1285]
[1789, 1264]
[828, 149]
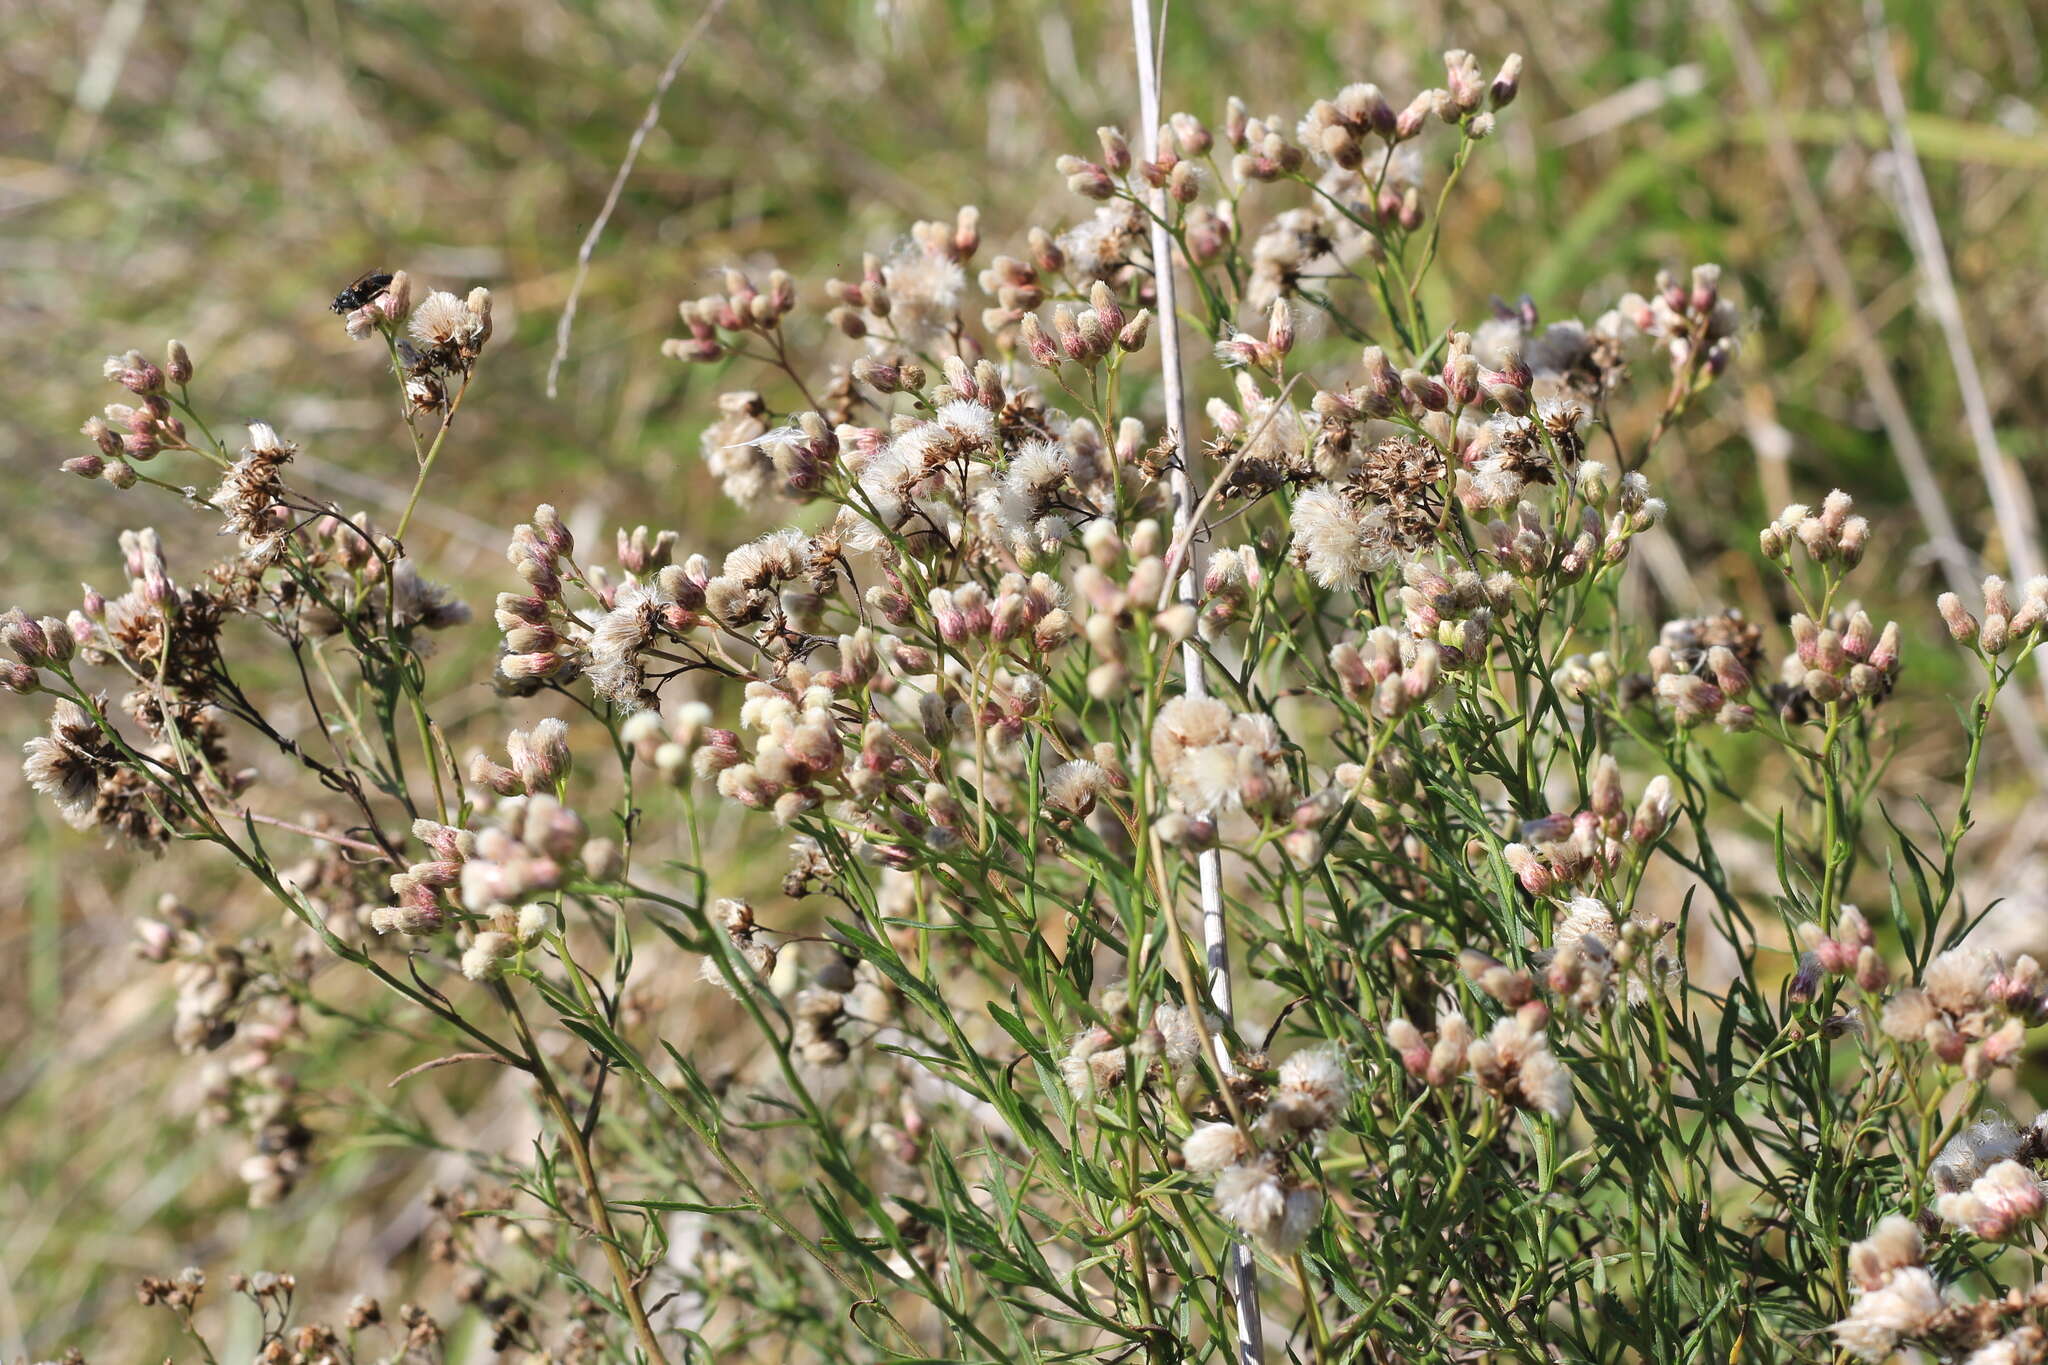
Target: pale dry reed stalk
[1188, 504]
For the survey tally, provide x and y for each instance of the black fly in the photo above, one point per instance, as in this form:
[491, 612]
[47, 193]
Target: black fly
[367, 286]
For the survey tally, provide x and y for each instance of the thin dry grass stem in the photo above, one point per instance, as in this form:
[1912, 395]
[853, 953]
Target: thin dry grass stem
[618, 186]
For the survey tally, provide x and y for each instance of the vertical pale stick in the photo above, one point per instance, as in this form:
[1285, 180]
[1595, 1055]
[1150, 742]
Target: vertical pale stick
[1244, 1273]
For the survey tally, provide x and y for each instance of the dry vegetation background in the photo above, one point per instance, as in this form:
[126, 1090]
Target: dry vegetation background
[215, 170]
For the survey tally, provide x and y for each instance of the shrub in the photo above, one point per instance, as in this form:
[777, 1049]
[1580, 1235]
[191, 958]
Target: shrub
[1280, 918]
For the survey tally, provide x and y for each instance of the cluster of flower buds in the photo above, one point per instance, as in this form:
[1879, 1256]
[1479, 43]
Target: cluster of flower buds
[125, 435]
[1392, 672]
[642, 553]
[1177, 169]
[668, 742]
[1306, 841]
[540, 550]
[1254, 1188]
[1833, 535]
[544, 639]
[1700, 669]
[527, 849]
[1850, 949]
[1589, 947]
[1261, 149]
[1120, 613]
[891, 372]
[420, 890]
[800, 746]
[1010, 698]
[1984, 1179]
[1896, 1296]
[35, 642]
[1997, 1204]
[1510, 986]
[1580, 973]
[2004, 626]
[1560, 851]
[180, 1293]
[1848, 658]
[335, 540]
[140, 375]
[1214, 762]
[1094, 1062]
[1582, 676]
[1436, 1059]
[1016, 287]
[530, 848]
[1336, 130]
[956, 241]
[1098, 179]
[539, 761]
[1088, 336]
[1697, 678]
[980, 383]
[914, 296]
[1231, 582]
[1463, 382]
[1513, 1062]
[742, 308]
[1456, 610]
[1531, 547]
[1379, 787]
[1687, 320]
[534, 648]
[803, 454]
[1972, 1007]
[489, 952]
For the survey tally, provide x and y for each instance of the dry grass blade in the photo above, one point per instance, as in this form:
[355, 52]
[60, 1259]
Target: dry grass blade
[2010, 501]
[1957, 562]
[450, 1060]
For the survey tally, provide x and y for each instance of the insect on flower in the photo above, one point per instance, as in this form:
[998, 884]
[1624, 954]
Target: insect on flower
[365, 287]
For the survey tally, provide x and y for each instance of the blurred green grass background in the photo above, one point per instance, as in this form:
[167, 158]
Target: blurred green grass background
[216, 170]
